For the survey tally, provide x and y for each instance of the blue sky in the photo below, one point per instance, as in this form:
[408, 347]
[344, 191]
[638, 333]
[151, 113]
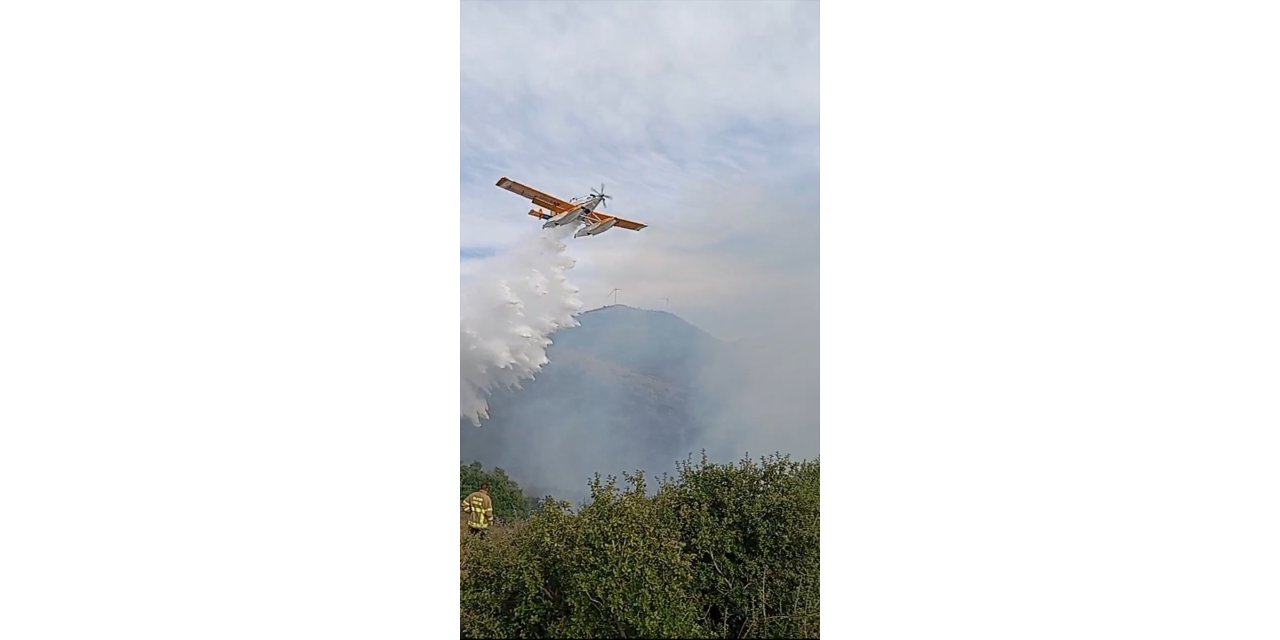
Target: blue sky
[701, 118]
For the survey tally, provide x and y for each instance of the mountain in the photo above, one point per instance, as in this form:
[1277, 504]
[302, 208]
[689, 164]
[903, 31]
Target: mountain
[625, 390]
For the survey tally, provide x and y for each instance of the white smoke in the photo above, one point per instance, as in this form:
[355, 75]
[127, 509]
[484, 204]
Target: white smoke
[509, 312]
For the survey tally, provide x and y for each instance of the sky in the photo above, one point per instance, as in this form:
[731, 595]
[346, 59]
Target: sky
[700, 119]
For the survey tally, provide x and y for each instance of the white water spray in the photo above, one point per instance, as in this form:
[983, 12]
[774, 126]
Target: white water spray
[509, 314]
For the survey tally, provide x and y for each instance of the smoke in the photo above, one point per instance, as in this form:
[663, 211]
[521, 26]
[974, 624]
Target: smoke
[632, 388]
[509, 311]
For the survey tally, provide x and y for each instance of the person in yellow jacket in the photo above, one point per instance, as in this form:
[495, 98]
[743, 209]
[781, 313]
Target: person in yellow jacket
[479, 506]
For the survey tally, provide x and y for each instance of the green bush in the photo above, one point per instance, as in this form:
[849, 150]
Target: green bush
[752, 532]
[509, 502]
[717, 551]
[608, 570]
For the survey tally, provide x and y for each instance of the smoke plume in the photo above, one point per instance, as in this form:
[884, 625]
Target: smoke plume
[509, 312]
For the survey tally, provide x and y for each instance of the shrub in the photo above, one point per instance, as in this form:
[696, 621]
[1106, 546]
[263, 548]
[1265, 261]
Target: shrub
[608, 571]
[752, 533]
[718, 551]
[509, 502]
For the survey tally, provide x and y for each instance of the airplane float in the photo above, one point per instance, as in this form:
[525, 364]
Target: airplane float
[558, 212]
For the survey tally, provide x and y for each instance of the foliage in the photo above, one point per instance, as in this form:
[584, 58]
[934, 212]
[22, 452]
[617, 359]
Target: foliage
[607, 571]
[509, 502]
[717, 551]
[752, 531]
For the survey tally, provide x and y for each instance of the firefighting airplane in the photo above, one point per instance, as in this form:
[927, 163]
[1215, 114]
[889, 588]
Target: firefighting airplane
[575, 210]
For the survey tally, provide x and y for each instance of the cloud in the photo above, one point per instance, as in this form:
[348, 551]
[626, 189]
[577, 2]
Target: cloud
[472, 253]
[701, 118]
[650, 98]
[725, 267]
[637, 72]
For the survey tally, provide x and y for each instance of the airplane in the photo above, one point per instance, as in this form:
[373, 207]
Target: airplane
[575, 210]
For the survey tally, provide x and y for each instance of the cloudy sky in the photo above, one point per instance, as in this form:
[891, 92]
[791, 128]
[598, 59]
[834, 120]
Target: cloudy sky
[701, 119]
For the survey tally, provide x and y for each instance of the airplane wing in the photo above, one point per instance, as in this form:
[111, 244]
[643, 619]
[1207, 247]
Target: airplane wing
[622, 223]
[539, 198]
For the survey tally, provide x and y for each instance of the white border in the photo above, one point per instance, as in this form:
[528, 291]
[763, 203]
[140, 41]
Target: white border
[1049, 320]
[230, 283]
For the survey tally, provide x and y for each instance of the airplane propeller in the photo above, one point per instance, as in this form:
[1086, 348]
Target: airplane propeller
[603, 197]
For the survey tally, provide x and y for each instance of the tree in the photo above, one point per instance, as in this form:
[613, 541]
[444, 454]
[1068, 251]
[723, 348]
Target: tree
[607, 571]
[720, 550]
[509, 502]
[752, 533]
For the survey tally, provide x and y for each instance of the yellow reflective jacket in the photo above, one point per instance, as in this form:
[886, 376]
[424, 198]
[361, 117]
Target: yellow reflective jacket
[480, 508]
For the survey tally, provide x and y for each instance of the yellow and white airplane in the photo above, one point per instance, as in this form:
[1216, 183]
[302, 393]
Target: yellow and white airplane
[575, 210]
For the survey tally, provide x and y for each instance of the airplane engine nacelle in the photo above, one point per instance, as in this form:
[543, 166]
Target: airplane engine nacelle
[596, 229]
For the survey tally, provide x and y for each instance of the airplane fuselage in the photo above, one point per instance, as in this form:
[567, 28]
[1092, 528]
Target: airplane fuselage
[577, 213]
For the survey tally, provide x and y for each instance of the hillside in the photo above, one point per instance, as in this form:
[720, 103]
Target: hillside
[625, 390]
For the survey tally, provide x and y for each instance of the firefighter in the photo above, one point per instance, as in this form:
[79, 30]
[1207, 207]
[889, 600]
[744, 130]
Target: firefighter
[480, 507]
